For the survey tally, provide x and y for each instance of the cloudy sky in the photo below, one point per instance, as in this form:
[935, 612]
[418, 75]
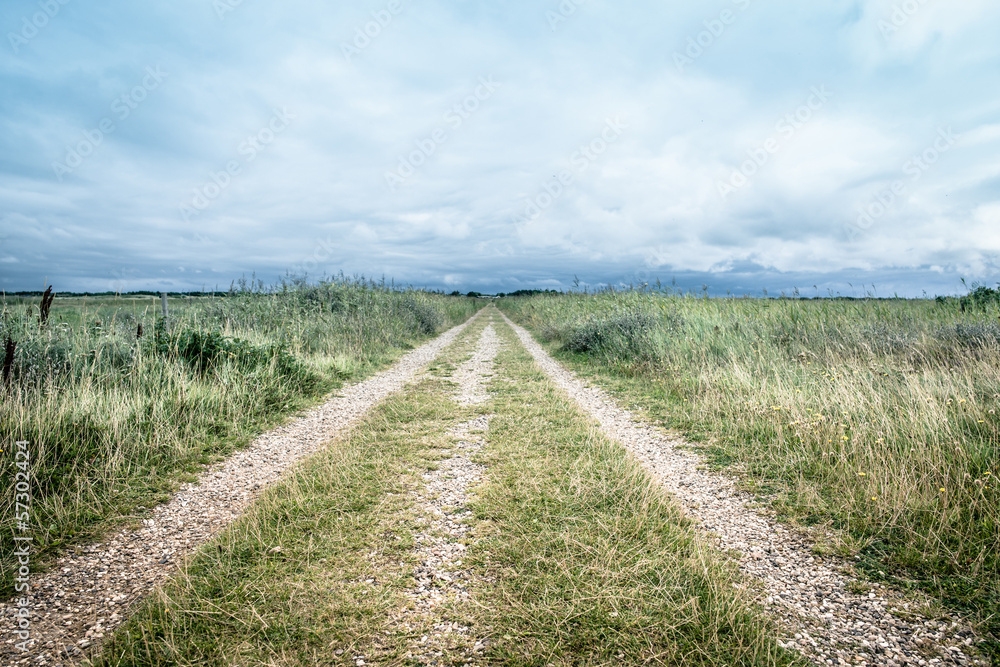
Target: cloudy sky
[830, 145]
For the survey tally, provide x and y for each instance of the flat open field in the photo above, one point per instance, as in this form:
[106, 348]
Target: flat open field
[315, 476]
[873, 420]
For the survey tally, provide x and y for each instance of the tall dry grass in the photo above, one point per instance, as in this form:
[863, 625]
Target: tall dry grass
[114, 419]
[877, 417]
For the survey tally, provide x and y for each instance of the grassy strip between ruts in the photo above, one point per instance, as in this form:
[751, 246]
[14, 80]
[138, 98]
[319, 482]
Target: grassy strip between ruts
[589, 562]
[314, 571]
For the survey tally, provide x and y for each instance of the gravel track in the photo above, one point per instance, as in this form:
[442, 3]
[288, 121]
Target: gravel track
[442, 504]
[809, 594]
[88, 593]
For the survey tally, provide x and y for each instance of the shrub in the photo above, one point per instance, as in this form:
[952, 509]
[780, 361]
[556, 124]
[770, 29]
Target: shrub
[201, 351]
[426, 318]
[980, 298]
[113, 355]
[624, 336]
[884, 338]
[39, 357]
[205, 351]
[972, 335]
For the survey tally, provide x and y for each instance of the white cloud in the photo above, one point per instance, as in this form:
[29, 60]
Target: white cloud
[649, 200]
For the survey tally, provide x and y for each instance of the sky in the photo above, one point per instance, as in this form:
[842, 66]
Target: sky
[831, 146]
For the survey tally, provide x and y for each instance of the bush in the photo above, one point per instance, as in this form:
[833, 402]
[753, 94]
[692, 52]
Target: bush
[113, 355]
[980, 298]
[426, 318]
[206, 351]
[201, 351]
[972, 335]
[625, 336]
[40, 357]
[884, 339]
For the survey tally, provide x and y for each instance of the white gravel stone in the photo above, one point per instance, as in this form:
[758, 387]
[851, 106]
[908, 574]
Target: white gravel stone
[440, 579]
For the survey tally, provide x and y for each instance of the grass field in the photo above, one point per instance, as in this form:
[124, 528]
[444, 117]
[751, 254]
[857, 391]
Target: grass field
[874, 417]
[116, 418]
[577, 556]
[872, 420]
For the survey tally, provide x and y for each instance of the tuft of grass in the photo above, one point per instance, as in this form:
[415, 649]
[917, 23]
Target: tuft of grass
[874, 418]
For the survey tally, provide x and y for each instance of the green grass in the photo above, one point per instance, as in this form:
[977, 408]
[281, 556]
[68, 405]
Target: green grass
[115, 420]
[576, 556]
[876, 418]
[588, 560]
[344, 522]
[317, 565]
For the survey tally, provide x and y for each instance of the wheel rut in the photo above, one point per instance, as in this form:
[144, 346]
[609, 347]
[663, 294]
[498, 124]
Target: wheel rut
[813, 597]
